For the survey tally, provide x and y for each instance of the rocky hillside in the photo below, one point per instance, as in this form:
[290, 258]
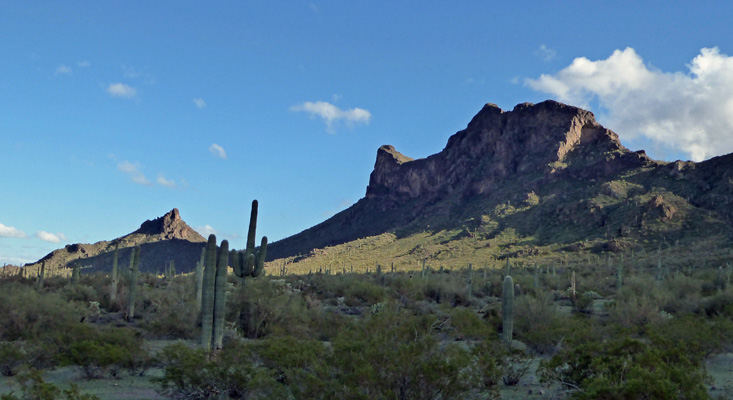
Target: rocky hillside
[547, 172]
[161, 240]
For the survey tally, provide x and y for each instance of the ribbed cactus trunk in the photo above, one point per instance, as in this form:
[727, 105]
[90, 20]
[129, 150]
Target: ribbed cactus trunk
[220, 295]
[200, 280]
[619, 275]
[207, 301]
[132, 294]
[41, 275]
[507, 309]
[113, 285]
[75, 274]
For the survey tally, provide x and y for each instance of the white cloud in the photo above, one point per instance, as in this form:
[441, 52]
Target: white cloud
[199, 102]
[134, 172]
[545, 53]
[206, 230]
[63, 70]
[9, 231]
[121, 90]
[50, 237]
[218, 151]
[84, 64]
[690, 112]
[331, 115]
[165, 182]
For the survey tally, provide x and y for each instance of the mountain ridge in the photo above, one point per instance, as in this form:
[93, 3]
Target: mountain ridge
[581, 177]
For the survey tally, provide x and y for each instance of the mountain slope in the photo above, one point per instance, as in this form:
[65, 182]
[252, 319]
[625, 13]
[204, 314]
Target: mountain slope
[161, 240]
[548, 172]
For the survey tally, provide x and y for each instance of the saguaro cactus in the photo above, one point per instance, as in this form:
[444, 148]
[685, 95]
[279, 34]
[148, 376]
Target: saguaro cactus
[75, 274]
[41, 274]
[200, 279]
[113, 285]
[507, 309]
[133, 284]
[207, 301]
[220, 295]
[251, 263]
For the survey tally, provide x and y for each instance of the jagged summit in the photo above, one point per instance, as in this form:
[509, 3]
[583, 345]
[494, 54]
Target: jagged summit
[497, 145]
[169, 226]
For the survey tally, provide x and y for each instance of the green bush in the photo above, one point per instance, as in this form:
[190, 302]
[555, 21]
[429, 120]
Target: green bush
[28, 314]
[233, 373]
[106, 351]
[394, 355]
[12, 357]
[627, 369]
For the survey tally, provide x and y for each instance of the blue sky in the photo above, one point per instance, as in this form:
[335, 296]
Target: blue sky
[115, 112]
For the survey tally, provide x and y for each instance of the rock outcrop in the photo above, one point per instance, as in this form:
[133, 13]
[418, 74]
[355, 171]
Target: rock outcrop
[169, 226]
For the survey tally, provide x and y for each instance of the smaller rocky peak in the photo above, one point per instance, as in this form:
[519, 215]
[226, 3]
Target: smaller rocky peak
[169, 226]
[387, 153]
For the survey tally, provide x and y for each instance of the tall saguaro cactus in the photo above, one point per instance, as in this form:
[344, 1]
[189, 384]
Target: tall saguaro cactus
[251, 263]
[213, 307]
[133, 284]
[507, 309]
[207, 300]
[41, 274]
[200, 279]
[113, 285]
[220, 295]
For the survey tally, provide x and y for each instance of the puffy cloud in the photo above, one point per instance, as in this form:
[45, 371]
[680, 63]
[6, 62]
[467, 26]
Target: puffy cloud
[134, 172]
[63, 70]
[11, 232]
[206, 230]
[121, 90]
[165, 182]
[331, 115]
[690, 112]
[545, 53]
[199, 102]
[218, 151]
[50, 237]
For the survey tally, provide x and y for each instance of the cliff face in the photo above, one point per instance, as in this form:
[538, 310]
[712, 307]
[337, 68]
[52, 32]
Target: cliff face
[530, 141]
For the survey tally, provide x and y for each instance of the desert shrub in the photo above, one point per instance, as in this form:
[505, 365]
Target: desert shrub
[489, 356]
[392, 354]
[627, 369]
[636, 306]
[191, 374]
[106, 351]
[468, 324]
[268, 308]
[12, 356]
[27, 314]
[538, 323]
[720, 304]
[447, 289]
[35, 388]
[685, 294]
[364, 293]
[701, 335]
[301, 365]
[79, 293]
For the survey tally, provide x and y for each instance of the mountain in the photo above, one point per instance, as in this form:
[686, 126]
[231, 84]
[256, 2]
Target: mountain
[161, 240]
[548, 173]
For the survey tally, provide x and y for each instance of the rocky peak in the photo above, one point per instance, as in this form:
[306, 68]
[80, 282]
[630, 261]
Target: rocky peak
[531, 140]
[169, 226]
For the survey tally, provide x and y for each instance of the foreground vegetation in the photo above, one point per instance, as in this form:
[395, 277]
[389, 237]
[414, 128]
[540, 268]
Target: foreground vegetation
[625, 332]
